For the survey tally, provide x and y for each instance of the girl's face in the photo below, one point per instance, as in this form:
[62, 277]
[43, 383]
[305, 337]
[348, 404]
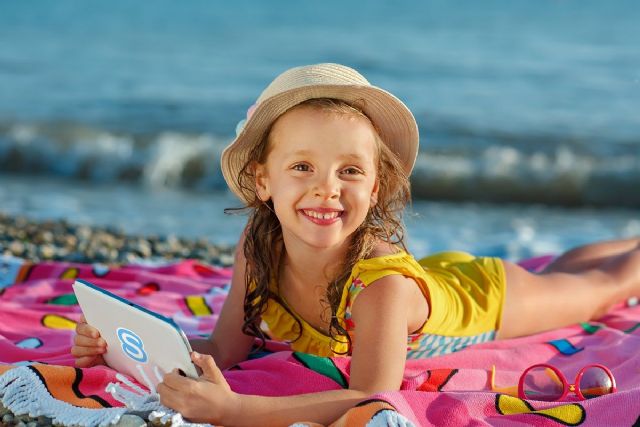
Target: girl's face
[320, 174]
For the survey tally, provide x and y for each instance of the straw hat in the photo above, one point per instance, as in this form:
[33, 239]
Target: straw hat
[397, 126]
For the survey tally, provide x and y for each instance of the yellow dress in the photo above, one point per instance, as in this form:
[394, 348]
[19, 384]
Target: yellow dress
[465, 296]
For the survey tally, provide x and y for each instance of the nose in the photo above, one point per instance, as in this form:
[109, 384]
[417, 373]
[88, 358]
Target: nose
[327, 187]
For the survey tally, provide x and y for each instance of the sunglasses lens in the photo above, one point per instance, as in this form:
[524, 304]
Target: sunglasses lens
[543, 384]
[595, 382]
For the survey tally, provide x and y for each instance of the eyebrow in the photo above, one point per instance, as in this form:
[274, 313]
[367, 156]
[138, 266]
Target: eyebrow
[351, 156]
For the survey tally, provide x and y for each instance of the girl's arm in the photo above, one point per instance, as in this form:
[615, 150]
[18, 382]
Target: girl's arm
[378, 358]
[228, 344]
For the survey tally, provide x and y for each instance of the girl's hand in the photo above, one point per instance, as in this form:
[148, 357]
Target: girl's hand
[88, 346]
[206, 399]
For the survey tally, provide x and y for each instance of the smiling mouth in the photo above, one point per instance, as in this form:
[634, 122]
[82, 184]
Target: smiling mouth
[322, 215]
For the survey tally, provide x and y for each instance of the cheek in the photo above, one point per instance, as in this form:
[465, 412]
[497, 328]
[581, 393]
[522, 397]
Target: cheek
[285, 194]
[285, 187]
[363, 203]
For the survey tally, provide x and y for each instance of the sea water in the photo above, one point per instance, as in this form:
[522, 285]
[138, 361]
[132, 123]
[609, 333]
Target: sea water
[528, 111]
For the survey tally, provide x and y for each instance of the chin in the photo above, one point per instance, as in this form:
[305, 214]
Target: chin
[326, 242]
[323, 244]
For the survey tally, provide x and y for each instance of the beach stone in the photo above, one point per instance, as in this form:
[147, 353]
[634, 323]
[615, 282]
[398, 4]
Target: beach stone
[70, 240]
[47, 251]
[108, 240]
[226, 259]
[76, 257]
[102, 254]
[127, 258]
[83, 232]
[16, 247]
[172, 242]
[61, 253]
[23, 418]
[45, 237]
[201, 243]
[128, 420]
[44, 421]
[143, 248]
[156, 421]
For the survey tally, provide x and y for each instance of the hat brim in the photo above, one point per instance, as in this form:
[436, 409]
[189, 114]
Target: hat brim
[396, 124]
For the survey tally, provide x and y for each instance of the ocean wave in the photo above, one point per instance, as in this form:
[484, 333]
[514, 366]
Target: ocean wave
[564, 176]
[550, 172]
[165, 159]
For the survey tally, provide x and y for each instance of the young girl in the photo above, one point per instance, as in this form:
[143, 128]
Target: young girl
[322, 162]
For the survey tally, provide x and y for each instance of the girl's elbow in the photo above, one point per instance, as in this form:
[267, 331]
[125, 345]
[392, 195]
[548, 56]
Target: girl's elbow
[366, 391]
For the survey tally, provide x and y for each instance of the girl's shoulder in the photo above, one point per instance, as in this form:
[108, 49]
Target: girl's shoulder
[386, 259]
[383, 249]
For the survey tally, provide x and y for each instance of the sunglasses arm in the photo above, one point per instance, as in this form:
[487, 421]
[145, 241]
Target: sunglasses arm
[511, 391]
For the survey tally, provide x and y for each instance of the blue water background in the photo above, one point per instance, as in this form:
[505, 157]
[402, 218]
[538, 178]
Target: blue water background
[567, 68]
[517, 101]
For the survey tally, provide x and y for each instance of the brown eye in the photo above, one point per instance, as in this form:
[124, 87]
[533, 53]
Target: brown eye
[352, 171]
[301, 167]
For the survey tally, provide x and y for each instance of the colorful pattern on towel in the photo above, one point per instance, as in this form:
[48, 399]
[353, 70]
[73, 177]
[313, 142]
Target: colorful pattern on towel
[38, 312]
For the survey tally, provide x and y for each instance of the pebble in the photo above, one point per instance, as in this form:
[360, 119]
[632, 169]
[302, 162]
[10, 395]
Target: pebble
[128, 420]
[62, 241]
[7, 418]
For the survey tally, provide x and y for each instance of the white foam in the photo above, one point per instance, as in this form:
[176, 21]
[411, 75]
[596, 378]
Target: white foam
[171, 155]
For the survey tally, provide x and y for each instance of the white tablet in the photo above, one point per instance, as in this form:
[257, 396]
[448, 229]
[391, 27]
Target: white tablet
[140, 342]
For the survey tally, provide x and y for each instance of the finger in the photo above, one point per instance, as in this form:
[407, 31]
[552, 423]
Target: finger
[175, 381]
[161, 388]
[165, 388]
[167, 395]
[81, 351]
[209, 368]
[82, 318]
[85, 362]
[87, 330]
[89, 361]
[85, 341]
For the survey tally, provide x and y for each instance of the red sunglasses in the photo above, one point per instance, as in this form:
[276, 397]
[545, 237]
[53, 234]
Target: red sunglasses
[546, 382]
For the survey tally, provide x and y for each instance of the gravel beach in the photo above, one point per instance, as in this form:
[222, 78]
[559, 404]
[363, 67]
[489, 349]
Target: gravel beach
[61, 241]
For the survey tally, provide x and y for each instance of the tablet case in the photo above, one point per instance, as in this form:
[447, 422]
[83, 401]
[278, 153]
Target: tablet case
[140, 342]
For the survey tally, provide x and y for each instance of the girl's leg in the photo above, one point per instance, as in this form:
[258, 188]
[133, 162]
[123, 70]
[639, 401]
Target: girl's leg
[591, 255]
[540, 302]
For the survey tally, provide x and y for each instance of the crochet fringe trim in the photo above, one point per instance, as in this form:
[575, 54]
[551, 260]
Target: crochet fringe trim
[22, 392]
[389, 418]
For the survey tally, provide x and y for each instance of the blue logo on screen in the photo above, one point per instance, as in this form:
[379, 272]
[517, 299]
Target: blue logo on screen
[132, 345]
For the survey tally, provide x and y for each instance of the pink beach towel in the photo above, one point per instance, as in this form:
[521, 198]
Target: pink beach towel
[38, 312]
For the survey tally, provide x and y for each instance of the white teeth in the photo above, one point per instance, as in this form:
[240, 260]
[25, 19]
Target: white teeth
[318, 215]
